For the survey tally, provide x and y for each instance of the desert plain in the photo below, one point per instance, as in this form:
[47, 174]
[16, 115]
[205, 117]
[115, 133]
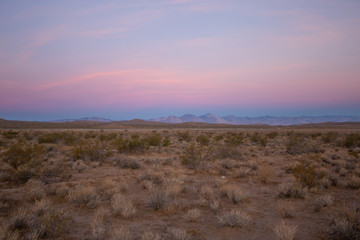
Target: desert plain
[145, 182]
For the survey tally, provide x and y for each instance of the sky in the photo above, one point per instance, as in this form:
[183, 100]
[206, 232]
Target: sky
[151, 58]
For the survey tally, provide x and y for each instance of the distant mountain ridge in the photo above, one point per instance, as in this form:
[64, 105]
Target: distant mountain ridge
[231, 119]
[89, 119]
[269, 120]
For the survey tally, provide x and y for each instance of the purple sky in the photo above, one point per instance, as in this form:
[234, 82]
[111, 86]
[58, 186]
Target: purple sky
[151, 58]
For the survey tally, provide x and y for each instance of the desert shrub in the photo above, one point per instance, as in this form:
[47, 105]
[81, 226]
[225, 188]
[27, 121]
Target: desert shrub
[19, 154]
[192, 215]
[223, 152]
[192, 156]
[284, 231]
[10, 134]
[126, 162]
[184, 136]
[153, 140]
[352, 140]
[166, 142]
[286, 209]
[306, 175]
[158, 199]
[90, 152]
[178, 234]
[234, 218]
[289, 190]
[258, 139]
[84, 195]
[346, 226]
[219, 137]
[122, 206]
[107, 137]
[134, 144]
[150, 236]
[298, 144]
[272, 135]
[53, 137]
[203, 140]
[330, 137]
[234, 139]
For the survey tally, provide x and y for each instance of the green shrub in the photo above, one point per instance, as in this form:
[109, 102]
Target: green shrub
[184, 136]
[134, 144]
[298, 144]
[330, 137]
[307, 175]
[107, 137]
[53, 137]
[352, 140]
[192, 156]
[10, 134]
[90, 152]
[234, 139]
[153, 140]
[203, 139]
[272, 135]
[166, 142]
[258, 139]
[18, 154]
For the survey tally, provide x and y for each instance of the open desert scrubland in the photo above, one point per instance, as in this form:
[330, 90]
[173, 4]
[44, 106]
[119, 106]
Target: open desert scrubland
[146, 184]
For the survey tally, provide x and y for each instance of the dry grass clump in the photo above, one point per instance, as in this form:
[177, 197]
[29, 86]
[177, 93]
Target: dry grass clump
[126, 162]
[206, 192]
[122, 206]
[234, 218]
[19, 220]
[150, 236]
[6, 233]
[173, 187]
[84, 195]
[234, 193]
[53, 223]
[346, 226]
[284, 231]
[36, 189]
[98, 225]
[178, 234]
[192, 215]
[286, 209]
[289, 190]
[354, 182]
[158, 199]
[79, 166]
[41, 207]
[121, 233]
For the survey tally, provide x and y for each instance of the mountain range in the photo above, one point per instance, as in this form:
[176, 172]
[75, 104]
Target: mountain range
[231, 119]
[269, 120]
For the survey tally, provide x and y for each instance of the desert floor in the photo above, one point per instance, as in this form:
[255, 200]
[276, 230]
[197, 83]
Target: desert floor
[272, 183]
